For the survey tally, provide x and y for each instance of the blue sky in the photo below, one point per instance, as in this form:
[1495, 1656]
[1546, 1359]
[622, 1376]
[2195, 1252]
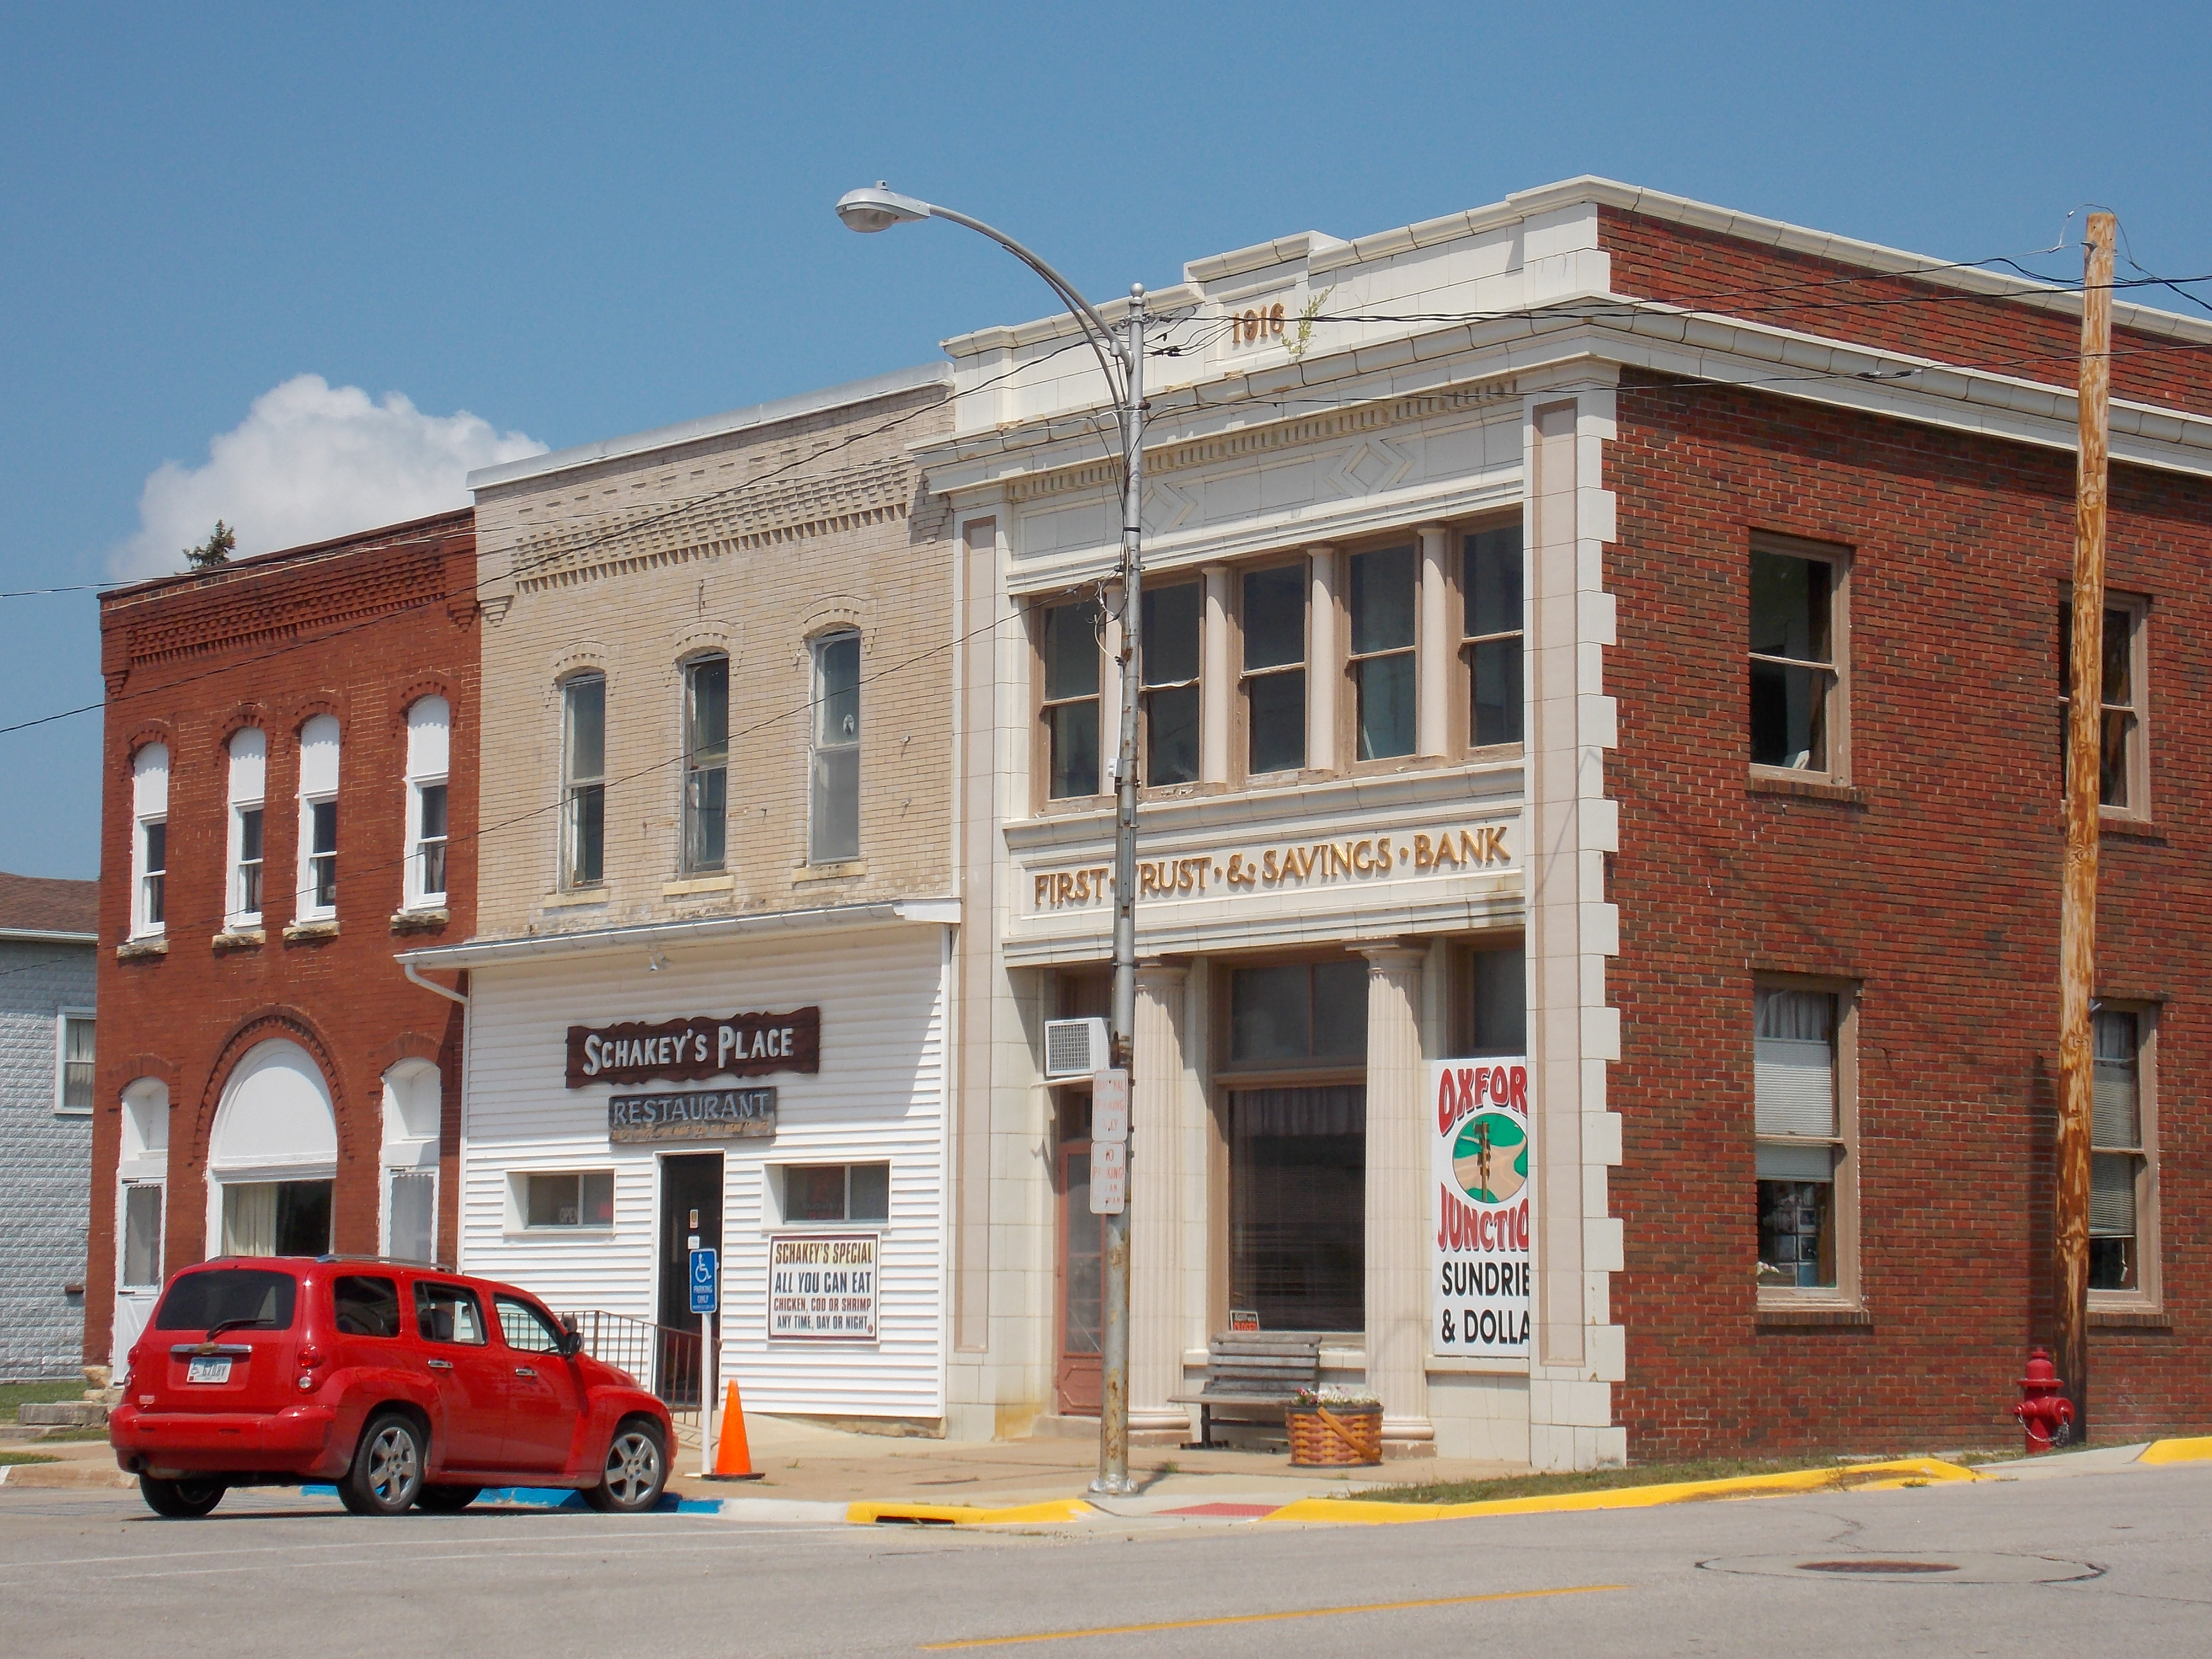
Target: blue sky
[572, 222]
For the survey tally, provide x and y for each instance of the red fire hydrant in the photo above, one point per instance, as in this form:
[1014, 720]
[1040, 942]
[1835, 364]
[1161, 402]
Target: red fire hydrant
[2043, 1411]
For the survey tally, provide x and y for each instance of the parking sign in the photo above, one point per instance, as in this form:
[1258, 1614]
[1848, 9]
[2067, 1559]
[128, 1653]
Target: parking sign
[705, 1283]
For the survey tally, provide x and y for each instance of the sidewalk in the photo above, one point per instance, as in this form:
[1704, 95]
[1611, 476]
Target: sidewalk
[808, 1463]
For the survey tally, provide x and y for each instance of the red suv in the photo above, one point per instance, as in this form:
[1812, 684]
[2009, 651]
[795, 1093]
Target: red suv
[405, 1386]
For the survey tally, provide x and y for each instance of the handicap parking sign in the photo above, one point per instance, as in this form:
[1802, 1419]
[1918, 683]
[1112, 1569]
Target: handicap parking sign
[706, 1282]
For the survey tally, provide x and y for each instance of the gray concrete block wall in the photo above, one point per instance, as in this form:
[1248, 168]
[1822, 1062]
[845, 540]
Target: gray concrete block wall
[45, 1164]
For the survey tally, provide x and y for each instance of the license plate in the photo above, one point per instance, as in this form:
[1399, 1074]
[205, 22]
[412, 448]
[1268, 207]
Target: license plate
[208, 1370]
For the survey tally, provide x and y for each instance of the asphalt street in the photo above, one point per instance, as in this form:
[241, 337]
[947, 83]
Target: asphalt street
[2112, 1563]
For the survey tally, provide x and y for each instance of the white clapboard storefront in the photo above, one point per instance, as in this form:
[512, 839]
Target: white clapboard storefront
[877, 1099]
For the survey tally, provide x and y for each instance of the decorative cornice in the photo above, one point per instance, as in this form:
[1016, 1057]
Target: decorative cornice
[1351, 420]
[774, 513]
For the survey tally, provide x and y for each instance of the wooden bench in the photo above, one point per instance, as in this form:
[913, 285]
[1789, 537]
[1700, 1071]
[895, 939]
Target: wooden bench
[1252, 1376]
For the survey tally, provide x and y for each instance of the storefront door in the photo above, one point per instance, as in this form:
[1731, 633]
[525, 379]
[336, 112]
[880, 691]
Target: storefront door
[690, 1207]
[1082, 1283]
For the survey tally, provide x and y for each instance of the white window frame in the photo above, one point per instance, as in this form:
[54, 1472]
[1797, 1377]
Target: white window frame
[242, 795]
[150, 807]
[426, 771]
[306, 908]
[61, 1019]
[2147, 1296]
[2136, 754]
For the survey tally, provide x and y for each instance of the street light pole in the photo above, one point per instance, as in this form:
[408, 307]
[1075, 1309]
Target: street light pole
[879, 209]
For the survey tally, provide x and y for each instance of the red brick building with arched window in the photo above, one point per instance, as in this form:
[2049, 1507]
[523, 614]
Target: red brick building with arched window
[290, 764]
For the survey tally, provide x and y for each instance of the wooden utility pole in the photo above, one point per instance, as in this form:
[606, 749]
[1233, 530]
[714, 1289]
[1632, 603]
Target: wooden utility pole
[2077, 941]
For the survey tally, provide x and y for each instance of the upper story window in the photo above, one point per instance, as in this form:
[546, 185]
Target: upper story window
[73, 1062]
[149, 839]
[1175, 615]
[2122, 764]
[583, 781]
[1273, 613]
[248, 787]
[1067, 646]
[1798, 616]
[318, 819]
[1385, 584]
[833, 802]
[1490, 634]
[706, 762]
[430, 745]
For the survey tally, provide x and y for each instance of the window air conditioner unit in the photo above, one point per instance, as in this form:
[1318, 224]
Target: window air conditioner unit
[1074, 1047]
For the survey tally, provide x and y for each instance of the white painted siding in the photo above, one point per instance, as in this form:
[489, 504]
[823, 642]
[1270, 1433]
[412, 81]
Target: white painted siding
[880, 1095]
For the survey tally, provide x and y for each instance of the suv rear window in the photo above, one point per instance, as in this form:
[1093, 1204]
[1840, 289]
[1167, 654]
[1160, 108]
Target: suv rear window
[262, 1299]
[365, 1305]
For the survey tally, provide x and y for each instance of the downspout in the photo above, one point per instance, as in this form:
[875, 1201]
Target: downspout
[446, 992]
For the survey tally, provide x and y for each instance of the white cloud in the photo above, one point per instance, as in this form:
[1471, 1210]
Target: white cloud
[310, 461]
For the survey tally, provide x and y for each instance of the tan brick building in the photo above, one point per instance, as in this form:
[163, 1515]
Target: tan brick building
[718, 784]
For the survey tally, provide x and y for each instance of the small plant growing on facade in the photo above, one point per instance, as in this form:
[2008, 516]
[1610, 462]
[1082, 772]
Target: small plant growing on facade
[1306, 313]
[215, 550]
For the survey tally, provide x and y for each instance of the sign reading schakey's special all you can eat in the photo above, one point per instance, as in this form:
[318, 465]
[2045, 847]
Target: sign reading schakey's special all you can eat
[1479, 1161]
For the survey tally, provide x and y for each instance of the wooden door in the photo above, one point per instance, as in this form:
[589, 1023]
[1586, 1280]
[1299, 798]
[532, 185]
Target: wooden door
[1082, 1285]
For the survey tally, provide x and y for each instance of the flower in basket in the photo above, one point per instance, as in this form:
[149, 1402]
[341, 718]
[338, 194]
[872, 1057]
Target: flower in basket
[1339, 1398]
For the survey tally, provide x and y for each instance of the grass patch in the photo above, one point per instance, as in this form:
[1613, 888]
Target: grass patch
[1548, 1486]
[13, 1395]
[8, 1458]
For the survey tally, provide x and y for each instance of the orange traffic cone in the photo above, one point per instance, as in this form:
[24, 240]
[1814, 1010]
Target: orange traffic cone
[733, 1458]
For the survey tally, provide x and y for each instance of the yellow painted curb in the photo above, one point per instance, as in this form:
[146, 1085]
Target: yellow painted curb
[1850, 1477]
[963, 1515]
[2178, 1451]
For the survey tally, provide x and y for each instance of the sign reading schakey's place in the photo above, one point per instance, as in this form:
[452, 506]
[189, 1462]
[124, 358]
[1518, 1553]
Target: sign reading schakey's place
[693, 1050]
[1478, 1168]
[693, 1114]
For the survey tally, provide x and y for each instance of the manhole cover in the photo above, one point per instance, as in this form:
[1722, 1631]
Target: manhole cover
[1950, 1568]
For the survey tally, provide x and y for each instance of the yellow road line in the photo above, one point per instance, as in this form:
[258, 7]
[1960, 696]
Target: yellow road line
[1261, 1618]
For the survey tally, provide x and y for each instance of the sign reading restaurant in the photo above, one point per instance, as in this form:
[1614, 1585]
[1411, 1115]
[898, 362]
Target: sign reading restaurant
[693, 1050]
[692, 1115]
[1293, 866]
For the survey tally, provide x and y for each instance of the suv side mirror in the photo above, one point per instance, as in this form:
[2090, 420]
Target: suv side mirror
[572, 1340]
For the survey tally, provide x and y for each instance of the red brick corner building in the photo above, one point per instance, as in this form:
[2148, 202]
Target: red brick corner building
[1838, 968]
[290, 767]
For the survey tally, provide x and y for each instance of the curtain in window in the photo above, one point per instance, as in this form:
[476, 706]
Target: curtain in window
[249, 1218]
[1794, 1063]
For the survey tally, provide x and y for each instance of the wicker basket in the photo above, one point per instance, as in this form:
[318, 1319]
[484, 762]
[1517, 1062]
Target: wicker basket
[1335, 1436]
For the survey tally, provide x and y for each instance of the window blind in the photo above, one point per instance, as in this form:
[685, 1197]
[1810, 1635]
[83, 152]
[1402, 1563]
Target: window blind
[1794, 1083]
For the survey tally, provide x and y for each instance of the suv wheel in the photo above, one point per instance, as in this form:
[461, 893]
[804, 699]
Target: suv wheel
[386, 1474]
[180, 1500]
[446, 1500]
[636, 1471]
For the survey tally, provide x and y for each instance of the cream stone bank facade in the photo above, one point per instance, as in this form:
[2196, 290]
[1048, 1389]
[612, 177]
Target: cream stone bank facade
[1373, 833]
[708, 994]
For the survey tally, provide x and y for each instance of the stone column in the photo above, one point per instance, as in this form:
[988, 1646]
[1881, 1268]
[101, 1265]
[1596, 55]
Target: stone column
[1397, 1206]
[1217, 679]
[1156, 1229]
[1324, 660]
[1432, 721]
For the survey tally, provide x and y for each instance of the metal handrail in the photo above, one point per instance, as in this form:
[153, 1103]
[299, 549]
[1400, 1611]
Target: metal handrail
[662, 1357]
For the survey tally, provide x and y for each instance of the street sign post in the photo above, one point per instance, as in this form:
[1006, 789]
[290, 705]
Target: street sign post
[706, 1302]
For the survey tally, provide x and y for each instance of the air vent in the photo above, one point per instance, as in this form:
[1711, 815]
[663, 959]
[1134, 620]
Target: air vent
[1074, 1047]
